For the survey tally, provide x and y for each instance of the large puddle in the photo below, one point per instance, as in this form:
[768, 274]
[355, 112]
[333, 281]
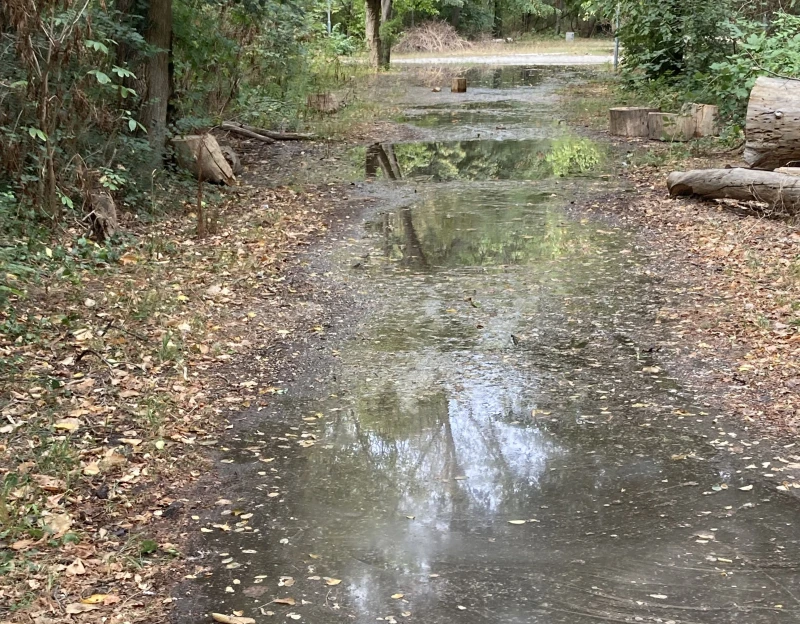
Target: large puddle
[496, 440]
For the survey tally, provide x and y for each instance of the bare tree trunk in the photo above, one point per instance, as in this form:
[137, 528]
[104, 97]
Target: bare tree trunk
[373, 32]
[386, 43]
[154, 112]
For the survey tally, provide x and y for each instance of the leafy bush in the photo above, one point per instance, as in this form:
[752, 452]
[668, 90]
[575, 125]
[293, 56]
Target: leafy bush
[775, 51]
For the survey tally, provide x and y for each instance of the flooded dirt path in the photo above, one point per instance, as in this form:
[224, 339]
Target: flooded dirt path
[495, 434]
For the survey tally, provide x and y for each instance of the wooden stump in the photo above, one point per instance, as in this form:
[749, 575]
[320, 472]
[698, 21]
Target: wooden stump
[201, 154]
[103, 216]
[459, 85]
[629, 121]
[323, 102]
[772, 129]
[778, 189]
[670, 127]
[706, 119]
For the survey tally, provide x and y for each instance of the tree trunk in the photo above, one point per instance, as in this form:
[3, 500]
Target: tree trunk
[373, 32]
[629, 121]
[773, 124]
[154, 112]
[386, 42]
[778, 189]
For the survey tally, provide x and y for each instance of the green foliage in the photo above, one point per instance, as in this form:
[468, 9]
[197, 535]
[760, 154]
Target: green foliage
[775, 52]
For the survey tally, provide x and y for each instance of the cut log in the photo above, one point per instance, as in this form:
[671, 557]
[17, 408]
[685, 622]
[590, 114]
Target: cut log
[323, 102]
[629, 121]
[201, 154]
[459, 85]
[772, 129]
[777, 189]
[706, 119]
[670, 127]
[792, 171]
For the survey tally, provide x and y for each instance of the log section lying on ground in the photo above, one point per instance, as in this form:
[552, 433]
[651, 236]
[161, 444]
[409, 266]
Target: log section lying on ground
[459, 85]
[201, 154]
[670, 127]
[773, 124]
[629, 121]
[777, 189]
[261, 134]
[706, 119]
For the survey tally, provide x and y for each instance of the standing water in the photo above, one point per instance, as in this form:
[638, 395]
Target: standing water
[495, 438]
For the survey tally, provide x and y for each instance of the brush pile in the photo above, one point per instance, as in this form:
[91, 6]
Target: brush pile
[433, 36]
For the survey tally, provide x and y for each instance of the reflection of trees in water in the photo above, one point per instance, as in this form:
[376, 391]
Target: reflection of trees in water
[454, 230]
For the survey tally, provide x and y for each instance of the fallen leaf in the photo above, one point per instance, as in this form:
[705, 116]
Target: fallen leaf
[68, 424]
[331, 581]
[78, 607]
[746, 488]
[285, 601]
[76, 568]
[232, 619]
[517, 521]
[95, 599]
[397, 596]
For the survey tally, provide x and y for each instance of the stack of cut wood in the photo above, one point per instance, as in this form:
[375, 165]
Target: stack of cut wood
[638, 121]
[772, 151]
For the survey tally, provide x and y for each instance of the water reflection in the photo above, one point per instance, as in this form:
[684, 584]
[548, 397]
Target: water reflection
[485, 159]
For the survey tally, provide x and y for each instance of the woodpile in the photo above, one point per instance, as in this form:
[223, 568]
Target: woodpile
[639, 121]
[772, 151]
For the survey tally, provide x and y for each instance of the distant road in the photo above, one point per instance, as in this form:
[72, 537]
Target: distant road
[509, 59]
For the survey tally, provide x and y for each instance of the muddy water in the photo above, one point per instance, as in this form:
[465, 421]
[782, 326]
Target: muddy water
[497, 438]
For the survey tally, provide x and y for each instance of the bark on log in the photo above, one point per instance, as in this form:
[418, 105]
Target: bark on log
[237, 129]
[792, 171]
[777, 189]
[670, 127]
[202, 155]
[773, 124]
[233, 159]
[706, 119]
[629, 121]
[459, 85]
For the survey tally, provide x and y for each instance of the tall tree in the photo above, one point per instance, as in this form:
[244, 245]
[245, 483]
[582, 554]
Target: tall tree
[158, 35]
[378, 14]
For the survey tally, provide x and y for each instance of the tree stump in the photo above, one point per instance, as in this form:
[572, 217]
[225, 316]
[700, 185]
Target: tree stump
[323, 102]
[103, 216]
[629, 121]
[706, 119]
[670, 127]
[201, 154]
[772, 128]
[459, 85]
[777, 189]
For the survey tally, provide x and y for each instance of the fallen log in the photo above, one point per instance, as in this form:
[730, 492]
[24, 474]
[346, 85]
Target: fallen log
[629, 121]
[777, 189]
[772, 128]
[236, 129]
[272, 134]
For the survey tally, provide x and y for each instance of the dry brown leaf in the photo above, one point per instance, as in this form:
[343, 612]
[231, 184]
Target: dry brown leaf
[78, 607]
[286, 601]
[76, 568]
[232, 619]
